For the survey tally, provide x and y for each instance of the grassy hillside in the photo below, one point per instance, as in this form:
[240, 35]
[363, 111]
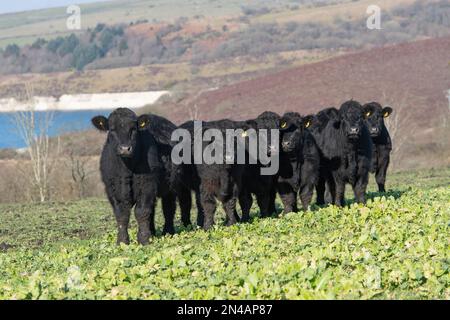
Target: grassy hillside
[395, 247]
[349, 10]
[24, 27]
[175, 77]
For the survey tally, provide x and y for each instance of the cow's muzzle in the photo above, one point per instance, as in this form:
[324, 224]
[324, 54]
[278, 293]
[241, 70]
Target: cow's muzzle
[125, 151]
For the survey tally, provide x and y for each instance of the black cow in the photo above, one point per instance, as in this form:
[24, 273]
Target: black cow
[262, 186]
[299, 162]
[318, 123]
[346, 149]
[211, 181]
[374, 114]
[133, 167]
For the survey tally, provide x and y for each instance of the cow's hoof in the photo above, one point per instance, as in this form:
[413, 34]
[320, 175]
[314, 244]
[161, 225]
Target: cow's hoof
[169, 230]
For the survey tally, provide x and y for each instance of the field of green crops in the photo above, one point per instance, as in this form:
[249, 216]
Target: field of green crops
[397, 246]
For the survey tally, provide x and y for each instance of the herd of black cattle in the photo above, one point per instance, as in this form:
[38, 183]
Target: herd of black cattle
[324, 152]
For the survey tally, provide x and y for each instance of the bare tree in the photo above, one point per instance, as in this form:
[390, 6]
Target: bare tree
[80, 172]
[400, 126]
[33, 127]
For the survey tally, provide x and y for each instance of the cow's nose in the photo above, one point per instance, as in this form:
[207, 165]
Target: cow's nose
[354, 130]
[286, 144]
[374, 130]
[125, 150]
[229, 157]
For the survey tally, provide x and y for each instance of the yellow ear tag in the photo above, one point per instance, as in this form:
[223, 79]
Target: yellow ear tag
[307, 124]
[283, 125]
[101, 123]
[368, 114]
[142, 125]
[386, 114]
[244, 134]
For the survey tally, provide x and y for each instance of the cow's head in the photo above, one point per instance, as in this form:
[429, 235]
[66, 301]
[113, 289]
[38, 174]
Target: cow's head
[292, 126]
[351, 119]
[374, 115]
[122, 127]
[318, 122]
[268, 121]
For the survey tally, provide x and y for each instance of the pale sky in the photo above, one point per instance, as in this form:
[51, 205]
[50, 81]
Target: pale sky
[25, 5]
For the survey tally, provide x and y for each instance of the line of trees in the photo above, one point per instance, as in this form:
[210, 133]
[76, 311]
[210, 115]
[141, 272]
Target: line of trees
[101, 47]
[106, 47]
[405, 23]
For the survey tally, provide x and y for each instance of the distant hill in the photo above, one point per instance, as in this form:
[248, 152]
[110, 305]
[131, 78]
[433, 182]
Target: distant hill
[25, 27]
[418, 72]
[414, 76]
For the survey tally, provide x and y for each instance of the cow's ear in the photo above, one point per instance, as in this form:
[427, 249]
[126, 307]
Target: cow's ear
[307, 121]
[386, 112]
[100, 122]
[143, 122]
[333, 112]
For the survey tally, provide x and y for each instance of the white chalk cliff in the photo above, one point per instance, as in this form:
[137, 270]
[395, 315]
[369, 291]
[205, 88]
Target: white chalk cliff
[95, 101]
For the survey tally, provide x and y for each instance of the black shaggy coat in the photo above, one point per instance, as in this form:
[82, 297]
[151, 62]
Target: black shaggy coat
[133, 168]
[299, 162]
[262, 186]
[346, 150]
[211, 182]
[375, 114]
[328, 156]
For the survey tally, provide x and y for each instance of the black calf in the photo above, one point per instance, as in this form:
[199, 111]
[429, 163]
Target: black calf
[345, 149]
[131, 168]
[374, 115]
[299, 162]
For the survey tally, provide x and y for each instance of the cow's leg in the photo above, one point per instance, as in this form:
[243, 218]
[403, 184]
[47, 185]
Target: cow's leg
[245, 201]
[289, 202]
[119, 191]
[288, 197]
[264, 199]
[169, 207]
[200, 211]
[185, 200]
[122, 211]
[374, 161]
[340, 192]
[380, 175]
[273, 195]
[331, 189]
[236, 189]
[320, 189]
[360, 187]
[306, 194]
[208, 203]
[145, 213]
[227, 195]
[229, 206]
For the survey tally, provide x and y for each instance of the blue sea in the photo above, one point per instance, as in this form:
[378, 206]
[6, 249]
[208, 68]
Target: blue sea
[63, 122]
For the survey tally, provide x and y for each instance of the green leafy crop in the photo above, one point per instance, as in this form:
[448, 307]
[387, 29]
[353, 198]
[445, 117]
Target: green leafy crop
[397, 246]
